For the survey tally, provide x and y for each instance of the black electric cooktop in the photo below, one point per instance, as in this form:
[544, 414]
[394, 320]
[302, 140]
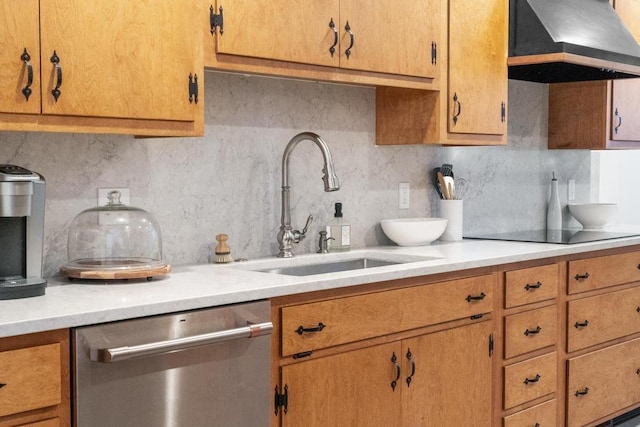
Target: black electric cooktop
[565, 237]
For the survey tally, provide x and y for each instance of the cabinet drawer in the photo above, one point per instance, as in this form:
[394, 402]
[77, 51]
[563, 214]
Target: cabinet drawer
[530, 285]
[529, 331]
[602, 318]
[529, 380]
[601, 272]
[53, 422]
[359, 317]
[543, 415]
[603, 382]
[32, 378]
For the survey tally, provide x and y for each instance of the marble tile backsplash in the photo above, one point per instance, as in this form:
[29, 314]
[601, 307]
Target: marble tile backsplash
[229, 180]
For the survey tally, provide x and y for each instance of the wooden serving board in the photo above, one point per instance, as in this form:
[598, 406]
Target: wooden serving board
[74, 273]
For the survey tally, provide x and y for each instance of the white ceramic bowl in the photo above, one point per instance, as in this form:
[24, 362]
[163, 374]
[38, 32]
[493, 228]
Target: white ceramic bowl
[413, 231]
[593, 216]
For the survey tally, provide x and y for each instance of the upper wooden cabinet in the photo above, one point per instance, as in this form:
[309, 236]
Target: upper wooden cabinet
[116, 66]
[478, 67]
[471, 107]
[602, 114]
[372, 43]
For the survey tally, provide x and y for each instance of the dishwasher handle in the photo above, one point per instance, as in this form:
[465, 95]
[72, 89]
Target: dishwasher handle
[117, 354]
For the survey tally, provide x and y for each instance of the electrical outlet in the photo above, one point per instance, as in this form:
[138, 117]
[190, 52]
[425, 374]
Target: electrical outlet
[103, 195]
[404, 195]
[571, 190]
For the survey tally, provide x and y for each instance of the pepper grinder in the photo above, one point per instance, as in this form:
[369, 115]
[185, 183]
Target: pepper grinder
[554, 210]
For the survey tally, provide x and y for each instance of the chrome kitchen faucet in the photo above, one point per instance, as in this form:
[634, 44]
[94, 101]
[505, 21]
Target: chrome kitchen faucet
[287, 236]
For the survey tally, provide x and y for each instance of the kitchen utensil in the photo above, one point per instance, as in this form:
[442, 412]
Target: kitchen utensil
[436, 183]
[447, 169]
[451, 187]
[443, 186]
[460, 188]
[222, 251]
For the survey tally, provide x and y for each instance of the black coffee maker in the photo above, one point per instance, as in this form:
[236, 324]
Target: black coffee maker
[22, 197]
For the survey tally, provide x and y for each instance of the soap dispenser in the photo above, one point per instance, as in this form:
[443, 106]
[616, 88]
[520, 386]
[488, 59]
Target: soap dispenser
[554, 210]
[338, 232]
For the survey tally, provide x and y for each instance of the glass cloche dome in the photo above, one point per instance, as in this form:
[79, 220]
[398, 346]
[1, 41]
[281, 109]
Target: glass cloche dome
[114, 241]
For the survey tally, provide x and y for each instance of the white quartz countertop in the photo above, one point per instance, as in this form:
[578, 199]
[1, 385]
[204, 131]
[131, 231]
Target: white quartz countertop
[69, 304]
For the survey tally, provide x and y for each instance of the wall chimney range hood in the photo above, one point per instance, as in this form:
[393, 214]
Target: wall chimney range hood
[553, 41]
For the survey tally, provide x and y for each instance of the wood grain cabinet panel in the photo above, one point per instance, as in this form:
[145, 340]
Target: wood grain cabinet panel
[542, 415]
[530, 380]
[377, 36]
[348, 319]
[530, 330]
[31, 378]
[603, 382]
[602, 272]
[602, 318]
[529, 285]
[19, 32]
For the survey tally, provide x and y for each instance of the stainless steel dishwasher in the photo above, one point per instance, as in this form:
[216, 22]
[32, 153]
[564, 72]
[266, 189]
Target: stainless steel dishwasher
[200, 368]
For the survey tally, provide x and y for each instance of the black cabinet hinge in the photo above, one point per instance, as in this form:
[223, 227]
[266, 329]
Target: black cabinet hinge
[503, 112]
[193, 88]
[434, 53]
[281, 400]
[490, 345]
[216, 20]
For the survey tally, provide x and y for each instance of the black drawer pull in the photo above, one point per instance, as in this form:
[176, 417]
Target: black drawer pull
[581, 276]
[535, 331]
[637, 372]
[536, 285]
[582, 392]
[579, 325]
[536, 425]
[301, 329]
[532, 380]
[2, 385]
[394, 360]
[480, 297]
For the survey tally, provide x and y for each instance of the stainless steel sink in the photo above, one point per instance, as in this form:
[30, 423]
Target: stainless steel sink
[335, 266]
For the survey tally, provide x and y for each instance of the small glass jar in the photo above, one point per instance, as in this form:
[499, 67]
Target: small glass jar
[114, 237]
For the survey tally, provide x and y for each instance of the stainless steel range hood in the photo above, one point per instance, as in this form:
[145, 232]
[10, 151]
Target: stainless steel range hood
[553, 41]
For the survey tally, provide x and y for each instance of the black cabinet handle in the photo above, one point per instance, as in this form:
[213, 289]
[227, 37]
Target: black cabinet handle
[459, 105]
[413, 367]
[25, 57]
[55, 60]
[615, 129]
[532, 380]
[581, 276]
[301, 329]
[535, 331]
[480, 297]
[347, 28]
[2, 385]
[579, 325]
[332, 49]
[582, 392]
[394, 360]
[536, 285]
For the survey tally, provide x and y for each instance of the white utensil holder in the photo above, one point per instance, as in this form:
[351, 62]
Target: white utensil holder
[452, 211]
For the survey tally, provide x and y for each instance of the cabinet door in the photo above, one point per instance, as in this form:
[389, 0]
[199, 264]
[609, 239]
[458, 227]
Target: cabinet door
[477, 66]
[19, 31]
[120, 58]
[347, 389]
[625, 114]
[280, 29]
[451, 382]
[390, 37]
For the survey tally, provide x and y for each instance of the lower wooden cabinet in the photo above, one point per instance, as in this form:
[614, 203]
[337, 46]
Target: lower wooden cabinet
[437, 379]
[35, 380]
[542, 415]
[603, 382]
